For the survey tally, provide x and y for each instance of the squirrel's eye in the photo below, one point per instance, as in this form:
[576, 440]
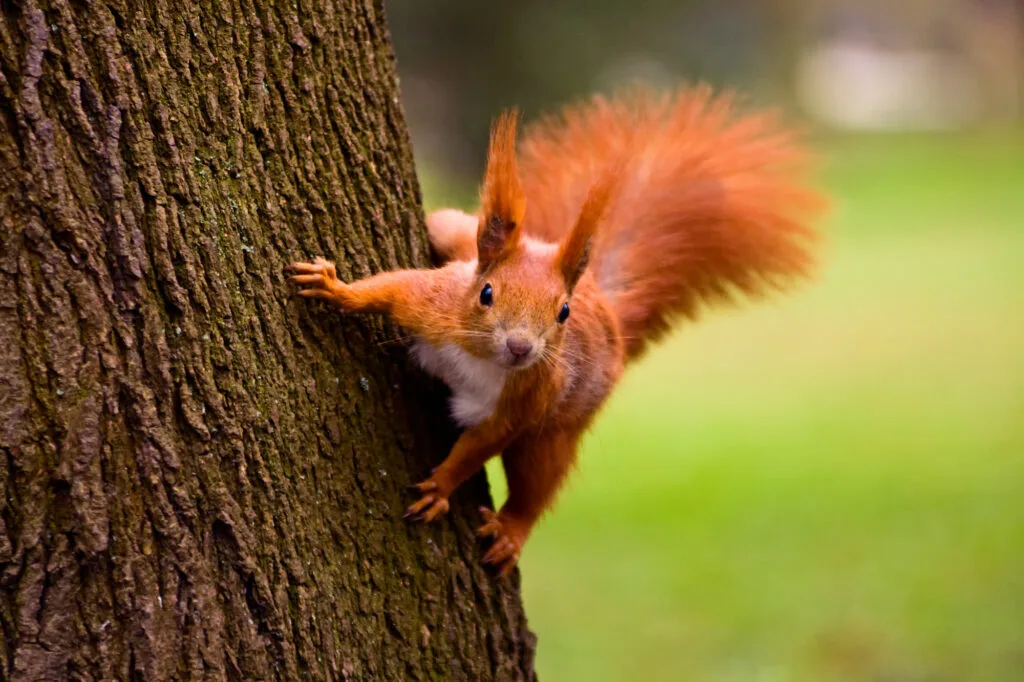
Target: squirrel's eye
[563, 314]
[487, 296]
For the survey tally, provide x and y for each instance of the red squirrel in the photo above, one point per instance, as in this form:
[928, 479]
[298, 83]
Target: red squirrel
[614, 219]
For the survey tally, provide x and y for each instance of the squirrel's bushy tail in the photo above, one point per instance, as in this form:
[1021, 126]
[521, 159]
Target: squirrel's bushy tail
[708, 203]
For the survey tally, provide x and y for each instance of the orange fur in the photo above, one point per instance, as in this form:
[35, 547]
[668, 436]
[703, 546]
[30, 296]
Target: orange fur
[502, 204]
[640, 210]
[574, 251]
[453, 234]
[710, 203]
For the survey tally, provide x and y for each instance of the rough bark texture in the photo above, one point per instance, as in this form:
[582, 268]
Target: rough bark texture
[204, 476]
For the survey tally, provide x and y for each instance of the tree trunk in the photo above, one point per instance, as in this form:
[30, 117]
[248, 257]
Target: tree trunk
[205, 476]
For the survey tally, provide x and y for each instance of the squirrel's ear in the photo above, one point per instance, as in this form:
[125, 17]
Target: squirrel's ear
[502, 203]
[574, 252]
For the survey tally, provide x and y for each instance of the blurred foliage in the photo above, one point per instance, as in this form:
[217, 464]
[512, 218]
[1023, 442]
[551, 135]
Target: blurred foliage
[462, 62]
[915, 63]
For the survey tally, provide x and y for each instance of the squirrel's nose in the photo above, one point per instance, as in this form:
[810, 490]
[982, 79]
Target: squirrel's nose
[518, 347]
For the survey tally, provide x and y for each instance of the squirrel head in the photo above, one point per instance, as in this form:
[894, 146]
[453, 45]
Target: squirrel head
[519, 304]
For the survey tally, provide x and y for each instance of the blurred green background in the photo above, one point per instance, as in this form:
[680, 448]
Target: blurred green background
[829, 486]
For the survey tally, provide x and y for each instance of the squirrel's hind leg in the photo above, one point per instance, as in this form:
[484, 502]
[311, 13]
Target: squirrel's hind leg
[536, 466]
[453, 234]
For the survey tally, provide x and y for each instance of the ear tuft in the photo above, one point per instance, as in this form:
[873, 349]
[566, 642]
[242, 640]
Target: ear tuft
[574, 252]
[502, 202]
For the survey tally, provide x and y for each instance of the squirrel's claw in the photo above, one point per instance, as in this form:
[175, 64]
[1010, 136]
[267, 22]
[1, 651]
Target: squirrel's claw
[503, 555]
[316, 293]
[491, 527]
[306, 279]
[427, 486]
[504, 551]
[317, 279]
[318, 266]
[302, 268]
[431, 506]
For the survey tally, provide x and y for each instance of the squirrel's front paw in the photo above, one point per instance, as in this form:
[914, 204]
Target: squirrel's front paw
[507, 540]
[318, 279]
[431, 506]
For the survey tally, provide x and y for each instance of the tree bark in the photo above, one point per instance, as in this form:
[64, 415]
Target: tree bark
[204, 476]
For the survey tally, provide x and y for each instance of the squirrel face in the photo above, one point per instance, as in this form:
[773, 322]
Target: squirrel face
[519, 304]
[518, 307]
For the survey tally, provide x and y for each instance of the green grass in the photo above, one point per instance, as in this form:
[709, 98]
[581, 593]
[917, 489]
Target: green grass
[827, 487]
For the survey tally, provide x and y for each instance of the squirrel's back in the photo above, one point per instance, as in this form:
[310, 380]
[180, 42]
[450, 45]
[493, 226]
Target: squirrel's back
[707, 203]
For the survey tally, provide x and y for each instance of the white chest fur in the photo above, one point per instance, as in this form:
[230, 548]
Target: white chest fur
[476, 384]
